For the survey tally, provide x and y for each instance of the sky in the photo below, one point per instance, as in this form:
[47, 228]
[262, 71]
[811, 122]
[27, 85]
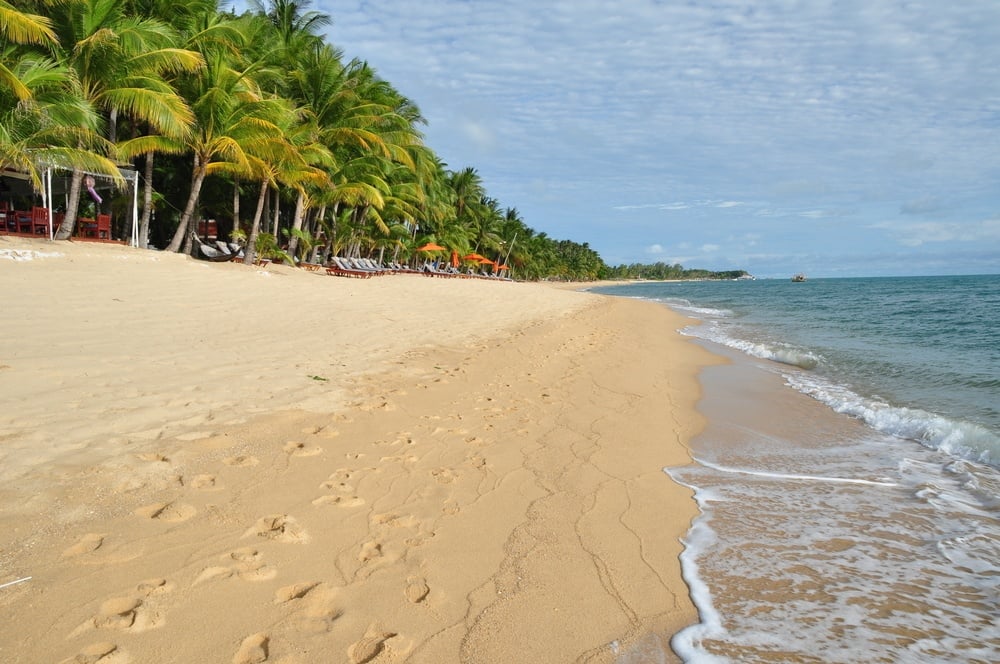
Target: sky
[833, 138]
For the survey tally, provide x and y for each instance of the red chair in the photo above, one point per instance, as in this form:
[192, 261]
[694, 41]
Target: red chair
[23, 219]
[40, 220]
[7, 222]
[104, 226]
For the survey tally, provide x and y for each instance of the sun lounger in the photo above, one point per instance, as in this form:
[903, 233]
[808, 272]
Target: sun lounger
[337, 268]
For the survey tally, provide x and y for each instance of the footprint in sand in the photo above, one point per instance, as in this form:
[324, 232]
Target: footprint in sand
[394, 520]
[153, 587]
[88, 543]
[293, 592]
[416, 589]
[126, 614]
[103, 652]
[419, 540]
[296, 449]
[444, 475]
[204, 482]
[253, 650]
[370, 551]
[246, 564]
[339, 501]
[278, 527]
[314, 611]
[369, 646]
[169, 512]
[337, 485]
[241, 461]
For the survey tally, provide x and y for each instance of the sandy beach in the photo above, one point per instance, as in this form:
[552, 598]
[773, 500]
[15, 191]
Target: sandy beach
[216, 463]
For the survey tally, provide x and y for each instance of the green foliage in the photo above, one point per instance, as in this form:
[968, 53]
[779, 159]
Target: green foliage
[665, 272]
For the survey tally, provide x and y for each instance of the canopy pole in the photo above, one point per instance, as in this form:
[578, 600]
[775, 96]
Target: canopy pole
[47, 198]
[135, 209]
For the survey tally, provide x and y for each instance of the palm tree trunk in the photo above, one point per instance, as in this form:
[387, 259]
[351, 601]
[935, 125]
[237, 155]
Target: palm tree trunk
[182, 228]
[65, 231]
[293, 240]
[147, 202]
[236, 207]
[250, 250]
[277, 212]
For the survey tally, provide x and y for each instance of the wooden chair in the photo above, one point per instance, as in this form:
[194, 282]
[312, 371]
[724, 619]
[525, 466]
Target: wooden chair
[7, 222]
[104, 226]
[40, 220]
[23, 219]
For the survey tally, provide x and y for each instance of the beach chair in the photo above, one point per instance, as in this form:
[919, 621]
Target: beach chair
[235, 254]
[338, 268]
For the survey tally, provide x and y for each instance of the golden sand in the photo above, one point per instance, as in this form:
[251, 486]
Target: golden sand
[215, 463]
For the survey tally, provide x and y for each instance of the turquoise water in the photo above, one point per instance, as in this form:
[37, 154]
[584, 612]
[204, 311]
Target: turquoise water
[849, 476]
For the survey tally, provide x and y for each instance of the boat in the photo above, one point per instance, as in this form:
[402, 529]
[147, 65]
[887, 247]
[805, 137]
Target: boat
[799, 277]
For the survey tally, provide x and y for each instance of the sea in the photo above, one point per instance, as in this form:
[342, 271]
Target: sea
[848, 476]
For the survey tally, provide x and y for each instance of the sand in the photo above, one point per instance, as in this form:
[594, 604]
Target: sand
[216, 463]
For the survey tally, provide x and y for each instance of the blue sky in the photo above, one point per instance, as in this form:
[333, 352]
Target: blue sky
[835, 138]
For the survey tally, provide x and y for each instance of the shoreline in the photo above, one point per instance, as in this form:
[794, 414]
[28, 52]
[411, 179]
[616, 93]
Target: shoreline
[476, 481]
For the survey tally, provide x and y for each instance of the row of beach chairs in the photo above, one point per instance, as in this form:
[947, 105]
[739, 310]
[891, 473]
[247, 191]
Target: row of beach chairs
[365, 268]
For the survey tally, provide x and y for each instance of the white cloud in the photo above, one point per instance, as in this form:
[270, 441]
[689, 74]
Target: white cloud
[916, 234]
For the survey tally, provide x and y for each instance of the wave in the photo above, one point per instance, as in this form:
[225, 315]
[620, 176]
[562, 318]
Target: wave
[954, 437]
[775, 352]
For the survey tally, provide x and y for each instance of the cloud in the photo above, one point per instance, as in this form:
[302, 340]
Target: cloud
[654, 249]
[917, 234]
[922, 206]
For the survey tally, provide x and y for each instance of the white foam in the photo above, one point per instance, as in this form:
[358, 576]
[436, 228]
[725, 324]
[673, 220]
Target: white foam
[700, 538]
[960, 439]
[791, 476]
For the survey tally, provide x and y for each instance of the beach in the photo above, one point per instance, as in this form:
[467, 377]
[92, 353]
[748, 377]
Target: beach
[214, 462]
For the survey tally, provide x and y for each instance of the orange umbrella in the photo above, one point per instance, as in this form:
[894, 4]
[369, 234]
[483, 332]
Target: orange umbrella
[502, 267]
[430, 246]
[486, 261]
[473, 257]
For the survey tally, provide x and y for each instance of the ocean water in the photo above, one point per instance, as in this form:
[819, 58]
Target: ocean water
[849, 474]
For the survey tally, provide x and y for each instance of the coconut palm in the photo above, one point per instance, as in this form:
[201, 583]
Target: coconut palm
[120, 61]
[234, 121]
[17, 27]
[52, 126]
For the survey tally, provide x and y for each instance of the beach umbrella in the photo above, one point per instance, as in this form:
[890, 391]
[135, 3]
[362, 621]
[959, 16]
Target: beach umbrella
[502, 267]
[430, 246]
[454, 259]
[473, 257]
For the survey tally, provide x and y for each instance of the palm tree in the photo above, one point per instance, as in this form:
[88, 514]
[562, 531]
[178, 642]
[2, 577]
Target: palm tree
[120, 62]
[53, 125]
[21, 28]
[233, 122]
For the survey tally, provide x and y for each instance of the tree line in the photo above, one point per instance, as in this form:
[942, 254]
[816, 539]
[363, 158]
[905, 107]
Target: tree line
[663, 272]
[254, 120]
